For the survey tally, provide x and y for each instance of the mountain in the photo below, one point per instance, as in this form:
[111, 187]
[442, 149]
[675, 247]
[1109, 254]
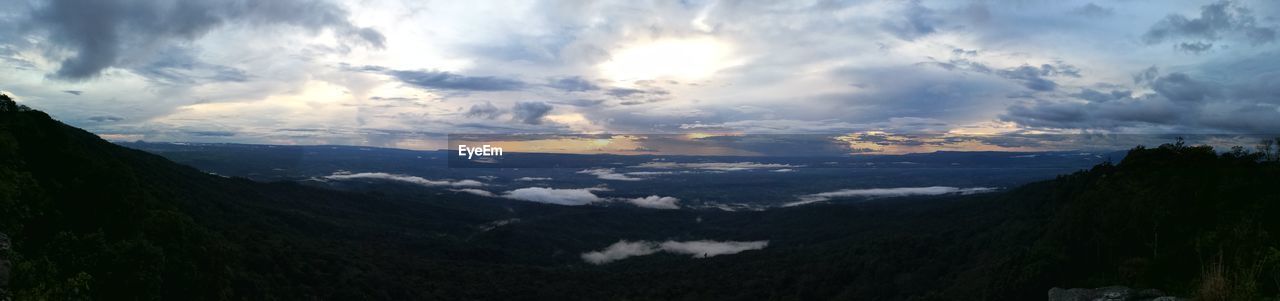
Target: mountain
[743, 182]
[92, 220]
[88, 219]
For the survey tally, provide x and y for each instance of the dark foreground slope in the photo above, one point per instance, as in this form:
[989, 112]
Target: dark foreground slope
[91, 220]
[1179, 217]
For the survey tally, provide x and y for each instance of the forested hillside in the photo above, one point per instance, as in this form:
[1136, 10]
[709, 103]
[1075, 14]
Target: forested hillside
[91, 220]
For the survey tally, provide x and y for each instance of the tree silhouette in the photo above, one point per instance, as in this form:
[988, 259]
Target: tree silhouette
[8, 105]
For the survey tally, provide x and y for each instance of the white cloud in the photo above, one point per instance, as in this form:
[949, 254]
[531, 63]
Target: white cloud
[344, 176]
[609, 174]
[532, 179]
[722, 166]
[708, 248]
[698, 249]
[730, 207]
[783, 170]
[620, 250]
[479, 192]
[569, 197]
[885, 193]
[648, 173]
[655, 202]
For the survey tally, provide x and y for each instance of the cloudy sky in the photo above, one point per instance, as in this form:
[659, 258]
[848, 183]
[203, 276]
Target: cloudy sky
[404, 73]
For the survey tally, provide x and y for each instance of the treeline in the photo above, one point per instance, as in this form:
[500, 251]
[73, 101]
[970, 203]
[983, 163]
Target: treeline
[1177, 217]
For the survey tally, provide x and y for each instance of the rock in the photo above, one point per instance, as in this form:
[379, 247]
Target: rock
[1075, 294]
[1149, 293]
[1109, 293]
[1114, 293]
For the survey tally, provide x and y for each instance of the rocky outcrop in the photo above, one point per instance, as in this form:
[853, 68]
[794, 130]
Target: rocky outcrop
[1109, 293]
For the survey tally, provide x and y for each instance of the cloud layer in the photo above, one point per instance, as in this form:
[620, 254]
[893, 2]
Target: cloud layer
[720, 166]
[568, 197]
[885, 193]
[479, 192]
[406, 73]
[609, 174]
[655, 202]
[698, 249]
[104, 34]
[346, 176]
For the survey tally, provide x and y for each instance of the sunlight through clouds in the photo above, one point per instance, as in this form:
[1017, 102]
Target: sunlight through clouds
[678, 59]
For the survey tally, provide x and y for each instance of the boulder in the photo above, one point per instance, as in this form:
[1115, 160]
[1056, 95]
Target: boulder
[1108, 293]
[1074, 294]
[1114, 293]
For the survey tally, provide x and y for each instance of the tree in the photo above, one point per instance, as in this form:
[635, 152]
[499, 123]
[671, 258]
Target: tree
[8, 105]
[1267, 150]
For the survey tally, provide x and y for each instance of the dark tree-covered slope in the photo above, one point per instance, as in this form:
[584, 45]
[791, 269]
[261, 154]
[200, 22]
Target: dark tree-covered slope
[92, 220]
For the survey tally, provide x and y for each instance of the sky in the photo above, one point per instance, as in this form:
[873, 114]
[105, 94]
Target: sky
[406, 74]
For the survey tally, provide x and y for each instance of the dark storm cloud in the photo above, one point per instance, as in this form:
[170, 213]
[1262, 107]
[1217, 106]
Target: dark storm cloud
[1256, 80]
[1216, 21]
[931, 93]
[1098, 96]
[1180, 87]
[105, 118]
[964, 52]
[572, 84]
[1146, 75]
[441, 80]
[73, 92]
[580, 102]
[1193, 47]
[623, 92]
[637, 93]
[1181, 102]
[530, 112]
[1148, 111]
[638, 96]
[486, 110]
[100, 33]
[1032, 77]
[1045, 114]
